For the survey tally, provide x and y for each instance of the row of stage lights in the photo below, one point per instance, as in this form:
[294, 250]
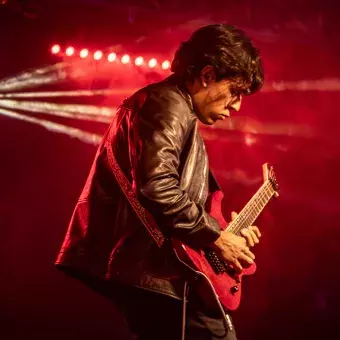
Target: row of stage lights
[111, 57]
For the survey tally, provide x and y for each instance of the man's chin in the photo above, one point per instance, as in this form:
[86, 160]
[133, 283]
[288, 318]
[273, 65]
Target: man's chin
[208, 122]
[205, 121]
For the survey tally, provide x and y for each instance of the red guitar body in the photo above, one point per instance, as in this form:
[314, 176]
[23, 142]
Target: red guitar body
[225, 287]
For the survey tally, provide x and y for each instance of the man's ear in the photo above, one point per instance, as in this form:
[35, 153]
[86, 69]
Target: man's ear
[207, 75]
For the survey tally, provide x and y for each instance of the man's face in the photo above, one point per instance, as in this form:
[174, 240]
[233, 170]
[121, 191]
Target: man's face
[214, 101]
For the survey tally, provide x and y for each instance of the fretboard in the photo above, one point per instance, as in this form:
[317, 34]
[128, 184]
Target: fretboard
[253, 208]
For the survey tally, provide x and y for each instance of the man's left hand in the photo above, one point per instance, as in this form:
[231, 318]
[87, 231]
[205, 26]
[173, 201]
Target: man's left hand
[251, 234]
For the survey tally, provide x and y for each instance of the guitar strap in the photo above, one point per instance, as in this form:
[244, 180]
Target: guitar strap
[130, 194]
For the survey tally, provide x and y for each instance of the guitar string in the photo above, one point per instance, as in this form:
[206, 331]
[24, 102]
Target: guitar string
[246, 216]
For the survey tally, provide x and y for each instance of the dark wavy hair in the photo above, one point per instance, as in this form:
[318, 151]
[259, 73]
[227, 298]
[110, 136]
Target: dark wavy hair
[228, 50]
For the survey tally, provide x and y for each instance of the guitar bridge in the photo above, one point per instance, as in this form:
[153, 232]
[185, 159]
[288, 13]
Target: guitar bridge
[216, 264]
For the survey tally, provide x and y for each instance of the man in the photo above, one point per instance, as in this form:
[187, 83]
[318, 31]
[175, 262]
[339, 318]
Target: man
[155, 139]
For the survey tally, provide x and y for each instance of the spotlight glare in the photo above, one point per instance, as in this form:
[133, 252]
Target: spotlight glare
[111, 57]
[152, 62]
[97, 55]
[55, 49]
[69, 51]
[125, 59]
[165, 64]
[249, 140]
[139, 61]
[84, 53]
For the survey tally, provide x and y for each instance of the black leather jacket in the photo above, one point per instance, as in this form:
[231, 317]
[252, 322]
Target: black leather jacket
[159, 148]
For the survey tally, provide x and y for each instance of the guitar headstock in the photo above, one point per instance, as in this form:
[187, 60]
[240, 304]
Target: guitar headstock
[269, 175]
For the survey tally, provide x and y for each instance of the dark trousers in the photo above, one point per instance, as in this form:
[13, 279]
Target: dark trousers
[150, 315]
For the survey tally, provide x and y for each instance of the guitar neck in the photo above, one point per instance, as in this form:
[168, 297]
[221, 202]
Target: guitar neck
[253, 208]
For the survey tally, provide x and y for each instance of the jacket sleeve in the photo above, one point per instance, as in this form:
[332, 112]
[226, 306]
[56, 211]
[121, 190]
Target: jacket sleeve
[163, 126]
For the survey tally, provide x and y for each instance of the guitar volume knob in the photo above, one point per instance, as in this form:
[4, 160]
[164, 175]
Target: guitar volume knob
[234, 289]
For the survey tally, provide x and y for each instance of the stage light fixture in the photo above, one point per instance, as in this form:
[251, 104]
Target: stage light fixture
[165, 64]
[84, 53]
[152, 63]
[139, 61]
[97, 55]
[125, 59]
[111, 57]
[69, 51]
[55, 49]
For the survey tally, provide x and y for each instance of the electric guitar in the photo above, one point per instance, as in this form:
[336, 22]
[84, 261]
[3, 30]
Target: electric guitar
[222, 280]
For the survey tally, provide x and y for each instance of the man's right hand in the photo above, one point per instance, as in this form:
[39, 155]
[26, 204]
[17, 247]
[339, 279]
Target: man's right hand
[233, 249]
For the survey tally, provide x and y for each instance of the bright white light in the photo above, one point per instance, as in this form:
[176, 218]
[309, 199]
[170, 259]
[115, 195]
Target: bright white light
[152, 62]
[165, 64]
[69, 51]
[125, 59]
[55, 49]
[139, 61]
[84, 53]
[87, 137]
[76, 93]
[97, 55]
[112, 57]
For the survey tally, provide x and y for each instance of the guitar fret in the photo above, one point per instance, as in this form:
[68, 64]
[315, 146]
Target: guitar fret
[254, 207]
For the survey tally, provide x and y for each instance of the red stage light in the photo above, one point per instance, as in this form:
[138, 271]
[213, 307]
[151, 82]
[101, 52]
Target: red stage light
[84, 53]
[112, 57]
[152, 62]
[165, 64]
[55, 49]
[249, 140]
[69, 51]
[125, 59]
[139, 61]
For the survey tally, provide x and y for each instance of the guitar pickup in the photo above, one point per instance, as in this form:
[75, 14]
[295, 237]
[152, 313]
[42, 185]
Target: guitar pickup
[216, 264]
